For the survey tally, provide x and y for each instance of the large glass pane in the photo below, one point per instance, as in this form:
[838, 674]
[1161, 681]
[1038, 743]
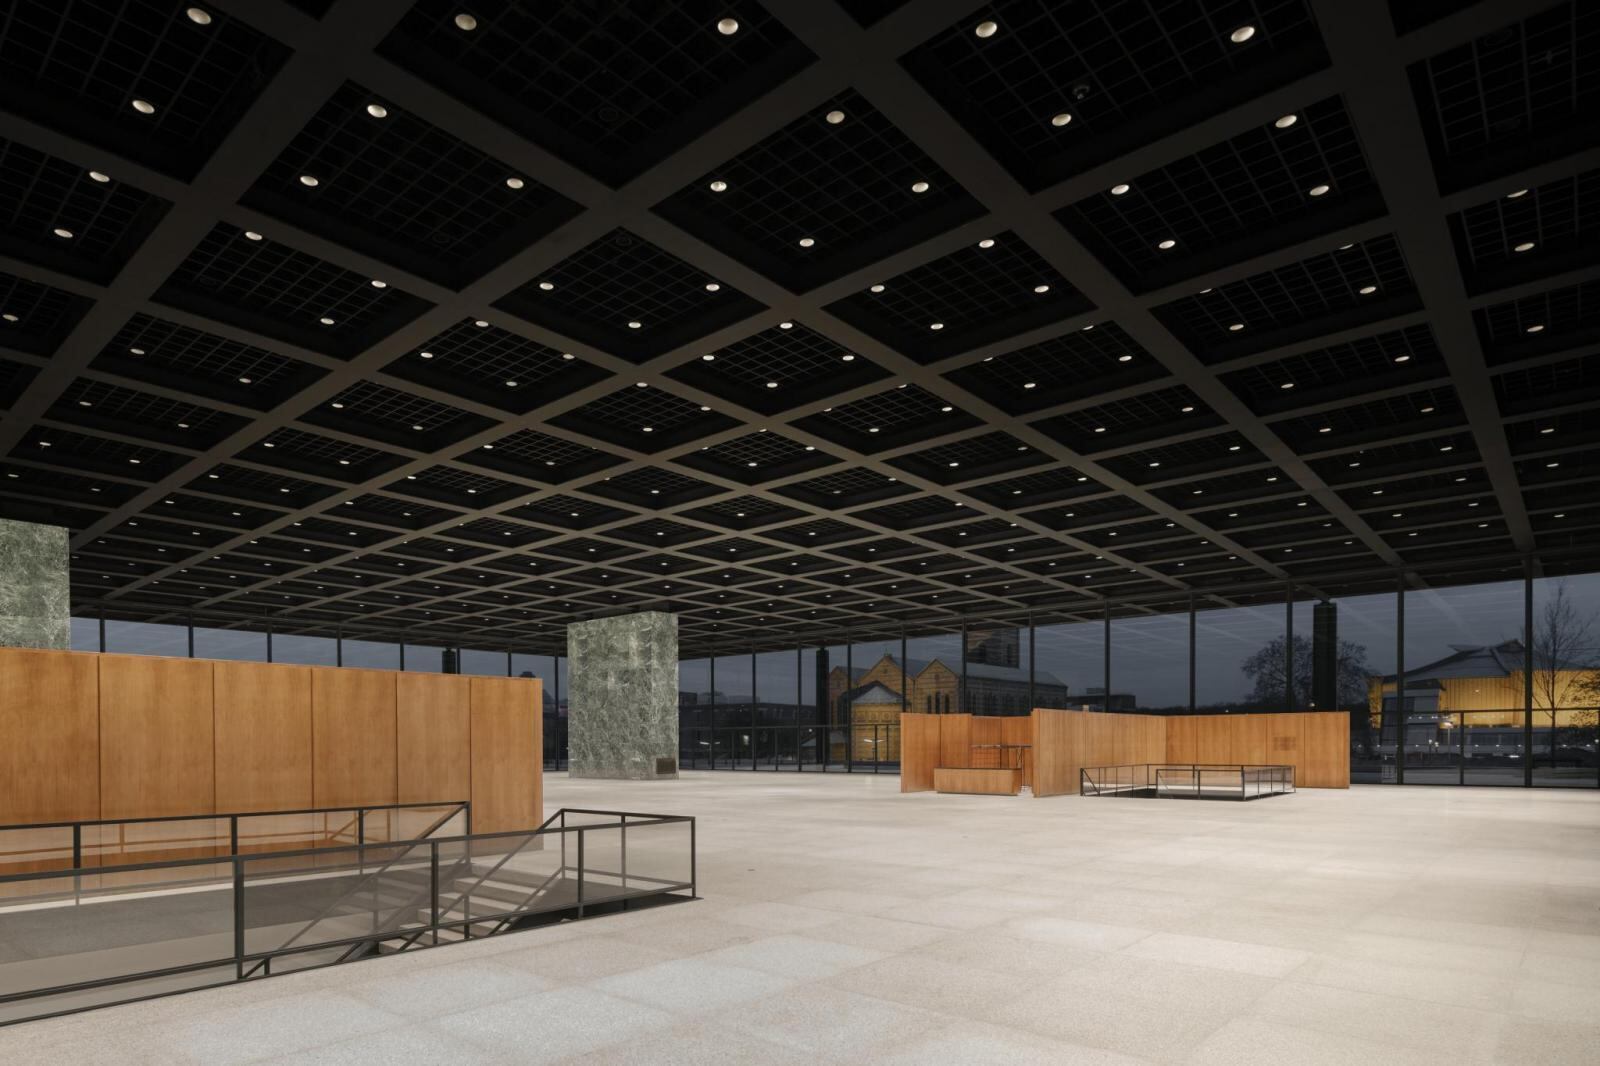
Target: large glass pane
[1566, 680]
[148, 638]
[735, 693]
[561, 685]
[1239, 658]
[1150, 661]
[305, 649]
[371, 654]
[86, 634]
[694, 694]
[1463, 648]
[933, 673]
[1365, 626]
[997, 668]
[778, 687]
[483, 663]
[429, 659]
[1069, 668]
[241, 644]
[873, 700]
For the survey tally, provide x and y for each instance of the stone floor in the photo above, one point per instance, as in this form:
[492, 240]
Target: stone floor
[843, 922]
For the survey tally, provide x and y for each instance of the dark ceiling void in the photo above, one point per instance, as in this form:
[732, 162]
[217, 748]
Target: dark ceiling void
[459, 323]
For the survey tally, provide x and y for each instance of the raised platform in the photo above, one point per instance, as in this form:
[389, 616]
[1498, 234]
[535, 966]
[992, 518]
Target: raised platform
[1187, 781]
[977, 782]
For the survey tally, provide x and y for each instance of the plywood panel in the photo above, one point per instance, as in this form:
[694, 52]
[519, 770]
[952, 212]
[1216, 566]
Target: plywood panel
[977, 782]
[433, 737]
[1055, 740]
[49, 736]
[955, 740]
[353, 737]
[1213, 738]
[1284, 738]
[919, 751]
[986, 730]
[1152, 739]
[1249, 746]
[1017, 729]
[156, 739]
[262, 722]
[1325, 750]
[507, 755]
[1181, 733]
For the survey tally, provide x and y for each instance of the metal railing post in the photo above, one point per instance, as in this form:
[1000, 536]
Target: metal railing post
[694, 892]
[580, 871]
[233, 834]
[77, 860]
[238, 916]
[433, 886]
[624, 849]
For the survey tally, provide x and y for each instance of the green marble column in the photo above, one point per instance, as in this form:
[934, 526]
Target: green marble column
[35, 591]
[622, 696]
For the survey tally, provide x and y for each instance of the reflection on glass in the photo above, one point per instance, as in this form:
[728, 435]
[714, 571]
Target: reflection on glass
[371, 654]
[482, 663]
[1150, 662]
[1566, 681]
[148, 638]
[239, 644]
[1239, 658]
[305, 650]
[1069, 669]
[86, 634]
[777, 687]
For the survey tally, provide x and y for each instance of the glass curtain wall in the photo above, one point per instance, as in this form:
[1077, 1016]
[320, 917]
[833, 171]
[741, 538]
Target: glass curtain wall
[1365, 627]
[734, 712]
[1069, 664]
[1565, 681]
[1149, 663]
[878, 693]
[998, 668]
[1239, 658]
[1460, 700]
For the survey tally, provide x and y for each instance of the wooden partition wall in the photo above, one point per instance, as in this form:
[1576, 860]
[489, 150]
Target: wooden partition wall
[1315, 743]
[88, 736]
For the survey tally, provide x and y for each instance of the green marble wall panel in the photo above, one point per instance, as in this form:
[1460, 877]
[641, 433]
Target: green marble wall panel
[35, 589]
[622, 696]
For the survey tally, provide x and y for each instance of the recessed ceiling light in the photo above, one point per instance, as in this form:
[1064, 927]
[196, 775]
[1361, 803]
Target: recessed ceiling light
[199, 16]
[144, 107]
[568, 356]
[708, 357]
[481, 324]
[1242, 34]
[511, 384]
[97, 176]
[728, 27]
[1041, 288]
[947, 410]
[1236, 327]
[64, 234]
[1030, 385]
[1525, 246]
[325, 320]
[847, 358]
[1283, 122]
[1166, 244]
[1517, 193]
[1402, 359]
[835, 117]
[251, 235]
[719, 186]
[547, 286]
[426, 355]
[985, 28]
[641, 384]
[786, 325]
[1367, 290]
[1317, 190]
[936, 325]
[919, 186]
[1120, 358]
[514, 182]
[634, 325]
[466, 22]
[712, 286]
[9, 317]
[376, 284]
[1060, 120]
[1187, 410]
[1119, 190]
[1287, 385]
[244, 381]
[807, 242]
[377, 111]
[309, 181]
[772, 384]
[987, 242]
[876, 288]
[1536, 328]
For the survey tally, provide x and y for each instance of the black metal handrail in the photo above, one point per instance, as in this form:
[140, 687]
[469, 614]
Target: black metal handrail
[1148, 777]
[246, 965]
[232, 817]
